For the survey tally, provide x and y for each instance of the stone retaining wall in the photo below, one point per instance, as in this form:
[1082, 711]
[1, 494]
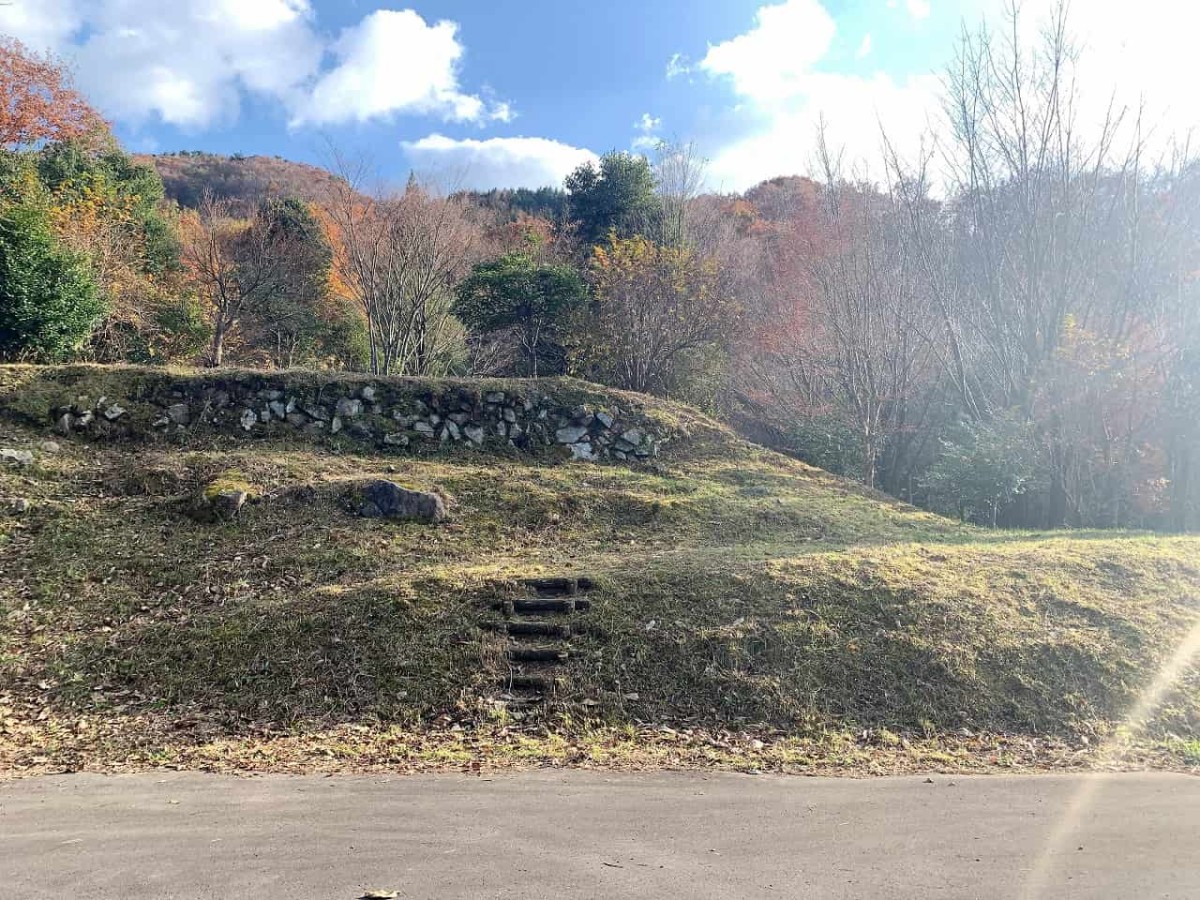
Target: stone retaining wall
[388, 414]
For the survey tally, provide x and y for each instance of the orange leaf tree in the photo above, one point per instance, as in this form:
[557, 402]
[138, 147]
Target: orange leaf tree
[39, 102]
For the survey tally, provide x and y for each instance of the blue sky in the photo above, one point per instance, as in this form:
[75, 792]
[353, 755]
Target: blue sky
[518, 92]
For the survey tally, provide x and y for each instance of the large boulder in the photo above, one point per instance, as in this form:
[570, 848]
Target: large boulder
[380, 499]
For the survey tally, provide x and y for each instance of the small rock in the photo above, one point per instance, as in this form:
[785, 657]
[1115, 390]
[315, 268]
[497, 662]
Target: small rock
[494, 397]
[49, 447]
[633, 436]
[18, 506]
[86, 417]
[299, 420]
[63, 426]
[179, 414]
[583, 450]
[454, 431]
[114, 412]
[320, 413]
[474, 434]
[249, 417]
[570, 435]
[510, 414]
[423, 428]
[348, 408]
[222, 499]
[396, 440]
[335, 426]
[278, 409]
[387, 500]
[18, 458]
[270, 395]
[605, 419]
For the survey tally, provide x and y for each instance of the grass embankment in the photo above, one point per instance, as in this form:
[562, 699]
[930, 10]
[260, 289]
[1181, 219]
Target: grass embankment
[750, 612]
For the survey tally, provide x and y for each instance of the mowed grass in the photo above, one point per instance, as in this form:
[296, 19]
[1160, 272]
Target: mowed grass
[750, 612]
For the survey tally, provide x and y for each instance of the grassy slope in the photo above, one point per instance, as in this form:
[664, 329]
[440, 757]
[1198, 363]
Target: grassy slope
[742, 597]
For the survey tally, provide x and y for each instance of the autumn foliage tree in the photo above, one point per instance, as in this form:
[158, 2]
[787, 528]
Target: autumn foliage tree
[656, 312]
[38, 101]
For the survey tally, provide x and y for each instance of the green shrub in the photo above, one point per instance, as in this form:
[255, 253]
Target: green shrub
[49, 303]
[982, 467]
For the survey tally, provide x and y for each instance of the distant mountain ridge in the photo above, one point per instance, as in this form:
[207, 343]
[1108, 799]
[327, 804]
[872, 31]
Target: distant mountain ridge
[244, 180]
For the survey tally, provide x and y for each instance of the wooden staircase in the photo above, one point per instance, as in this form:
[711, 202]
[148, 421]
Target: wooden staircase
[539, 627]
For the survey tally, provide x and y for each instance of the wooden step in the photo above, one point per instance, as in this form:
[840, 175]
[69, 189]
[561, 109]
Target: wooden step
[540, 606]
[538, 629]
[523, 681]
[537, 654]
[553, 587]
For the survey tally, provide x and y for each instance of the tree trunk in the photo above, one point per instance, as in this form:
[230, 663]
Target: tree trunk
[217, 355]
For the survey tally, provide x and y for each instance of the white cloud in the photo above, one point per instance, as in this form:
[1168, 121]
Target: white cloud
[186, 62]
[771, 62]
[648, 123]
[530, 162]
[918, 9]
[647, 127]
[42, 25]
[394, 62]
[864, 49]
[190, 63]
[774, 69]
[677, 65]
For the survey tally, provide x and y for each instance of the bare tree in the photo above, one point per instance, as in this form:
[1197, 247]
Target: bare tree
[237, 266]
[398, 257]
[1033, 198]
[679, 173]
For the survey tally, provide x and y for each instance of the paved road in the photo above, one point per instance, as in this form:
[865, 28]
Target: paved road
[579, 835]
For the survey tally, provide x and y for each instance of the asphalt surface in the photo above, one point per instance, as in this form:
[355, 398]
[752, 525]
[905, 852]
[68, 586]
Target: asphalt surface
[587, 835]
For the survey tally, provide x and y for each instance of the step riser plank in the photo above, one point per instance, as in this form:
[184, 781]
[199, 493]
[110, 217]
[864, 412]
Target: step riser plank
[537, 655]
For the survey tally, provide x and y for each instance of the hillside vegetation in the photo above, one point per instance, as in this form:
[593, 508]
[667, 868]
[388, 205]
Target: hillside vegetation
[244, 180]
[747, 611]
